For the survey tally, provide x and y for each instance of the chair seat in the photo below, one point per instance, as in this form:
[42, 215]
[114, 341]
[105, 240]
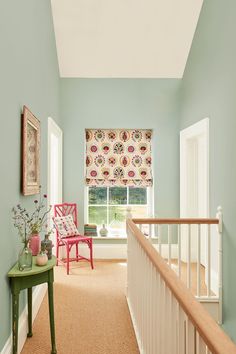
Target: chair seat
[77, 238]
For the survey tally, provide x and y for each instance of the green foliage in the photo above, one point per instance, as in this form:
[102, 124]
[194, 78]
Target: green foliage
[117, 195]
[97, 195]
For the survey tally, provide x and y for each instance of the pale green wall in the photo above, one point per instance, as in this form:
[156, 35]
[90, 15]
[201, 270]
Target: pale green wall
[209, 90]
[28, 75]
[122, 103]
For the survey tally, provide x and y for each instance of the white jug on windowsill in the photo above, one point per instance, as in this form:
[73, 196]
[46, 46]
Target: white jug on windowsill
[103, 231]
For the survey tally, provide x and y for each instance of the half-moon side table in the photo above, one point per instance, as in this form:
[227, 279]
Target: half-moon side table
[20, 280]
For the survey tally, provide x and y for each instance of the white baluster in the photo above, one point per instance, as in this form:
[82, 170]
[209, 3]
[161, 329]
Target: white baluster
[159, 309]
[179, 251]
[189, 258]
[209, 261]
[198, 260]
[181, 332]
[169, 244]
[201, 346]
[150, 231]
[159, 238]
[191, 340]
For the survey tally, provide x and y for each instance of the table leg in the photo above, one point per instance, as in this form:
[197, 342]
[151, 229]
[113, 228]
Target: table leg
[30, 333]
[15, 316]
[51, 315]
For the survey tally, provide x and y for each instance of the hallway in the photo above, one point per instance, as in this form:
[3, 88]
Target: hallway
[91, 313]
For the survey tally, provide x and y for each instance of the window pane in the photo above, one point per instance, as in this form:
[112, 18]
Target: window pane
[118, 195]
[137, 195]
[97, 195]
[117, 215]
[139, 211]
[97, 215]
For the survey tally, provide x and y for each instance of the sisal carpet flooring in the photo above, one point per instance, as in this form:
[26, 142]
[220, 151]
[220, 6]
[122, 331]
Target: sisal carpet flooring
[91, 313]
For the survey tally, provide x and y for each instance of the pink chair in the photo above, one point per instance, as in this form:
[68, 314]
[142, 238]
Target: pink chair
[62, 210]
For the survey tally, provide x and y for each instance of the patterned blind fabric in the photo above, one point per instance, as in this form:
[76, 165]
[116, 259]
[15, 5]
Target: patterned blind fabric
[118, 157]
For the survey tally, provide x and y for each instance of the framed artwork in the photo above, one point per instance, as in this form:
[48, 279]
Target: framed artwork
[30, 153]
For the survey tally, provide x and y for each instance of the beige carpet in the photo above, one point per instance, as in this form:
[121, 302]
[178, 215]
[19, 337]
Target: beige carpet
[91, 313]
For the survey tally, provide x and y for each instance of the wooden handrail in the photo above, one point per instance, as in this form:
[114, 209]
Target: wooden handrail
[152, 221]
[214, 337]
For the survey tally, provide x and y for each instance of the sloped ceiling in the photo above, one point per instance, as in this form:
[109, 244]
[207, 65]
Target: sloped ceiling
[124, 38]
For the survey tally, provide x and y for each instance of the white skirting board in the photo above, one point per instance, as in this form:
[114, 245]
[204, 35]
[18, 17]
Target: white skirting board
[38, 295]
[115, 251]
[102, 251]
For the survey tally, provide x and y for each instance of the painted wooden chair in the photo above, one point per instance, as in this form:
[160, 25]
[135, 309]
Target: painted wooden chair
[65, 221]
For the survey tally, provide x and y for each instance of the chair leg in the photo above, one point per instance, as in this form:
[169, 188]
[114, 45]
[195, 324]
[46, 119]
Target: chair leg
[91, 253]
[67, 258]
[77, 252]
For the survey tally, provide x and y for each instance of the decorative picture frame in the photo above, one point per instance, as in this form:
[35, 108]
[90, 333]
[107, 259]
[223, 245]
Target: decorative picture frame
[30, 153]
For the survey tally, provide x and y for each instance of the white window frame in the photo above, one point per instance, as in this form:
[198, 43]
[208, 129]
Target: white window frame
[150, 202]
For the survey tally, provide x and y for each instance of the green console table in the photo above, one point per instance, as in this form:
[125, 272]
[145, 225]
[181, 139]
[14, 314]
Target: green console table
[20, 280]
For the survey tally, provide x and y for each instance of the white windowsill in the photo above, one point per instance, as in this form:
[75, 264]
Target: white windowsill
[124, 237]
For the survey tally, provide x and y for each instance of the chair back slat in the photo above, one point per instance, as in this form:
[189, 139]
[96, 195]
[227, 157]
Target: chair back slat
[66, 209]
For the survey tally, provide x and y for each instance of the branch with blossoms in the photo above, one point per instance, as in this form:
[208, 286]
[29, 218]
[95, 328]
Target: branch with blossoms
[28, 224]
[22, 221]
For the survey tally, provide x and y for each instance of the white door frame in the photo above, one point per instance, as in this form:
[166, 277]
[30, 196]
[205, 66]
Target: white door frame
[54, 129]
[194, 151]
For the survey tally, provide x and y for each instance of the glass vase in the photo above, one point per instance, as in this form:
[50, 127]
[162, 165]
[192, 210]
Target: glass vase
[25, 259]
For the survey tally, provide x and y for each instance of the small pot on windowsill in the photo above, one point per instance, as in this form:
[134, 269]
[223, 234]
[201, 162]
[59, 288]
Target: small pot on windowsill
[103, 231]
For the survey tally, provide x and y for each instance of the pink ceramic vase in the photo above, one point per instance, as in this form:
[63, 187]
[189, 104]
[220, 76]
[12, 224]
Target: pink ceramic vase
[34, 244]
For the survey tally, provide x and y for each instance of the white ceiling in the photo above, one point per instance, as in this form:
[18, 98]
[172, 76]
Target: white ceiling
[124, 38]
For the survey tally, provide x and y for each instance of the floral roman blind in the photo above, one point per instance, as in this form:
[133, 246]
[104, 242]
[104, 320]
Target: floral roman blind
[118, 157]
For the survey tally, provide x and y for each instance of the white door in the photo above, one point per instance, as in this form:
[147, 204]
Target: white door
[54, 167]
[194, 182]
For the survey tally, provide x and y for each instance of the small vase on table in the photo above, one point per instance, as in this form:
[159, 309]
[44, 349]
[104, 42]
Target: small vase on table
[25, 258]
[42, 258]
[34, 243]
[47, 245]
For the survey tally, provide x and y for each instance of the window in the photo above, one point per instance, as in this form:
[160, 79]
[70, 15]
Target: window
[109, 205]
[118, 176]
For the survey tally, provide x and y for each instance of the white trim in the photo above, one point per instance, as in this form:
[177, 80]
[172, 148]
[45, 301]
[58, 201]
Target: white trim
[195, 130]
[214, 282]
[119, 251]
[53, 128]
[198, 136]
[38, 295]
[104, 251]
